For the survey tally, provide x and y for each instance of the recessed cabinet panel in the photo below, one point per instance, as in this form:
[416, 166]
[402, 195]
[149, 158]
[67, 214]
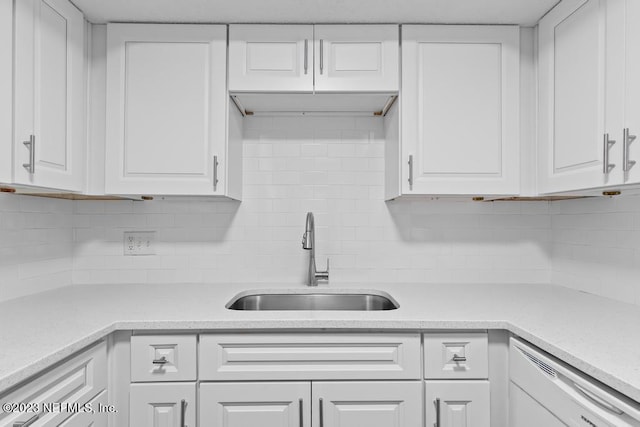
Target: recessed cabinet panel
[162, 404]
[371, 404]
[163, 358]
[6, 89]
[572, 97]
[460, 109]
[354, 58]
[457, 403]
[97, 418]
[49, 95]
[271, 58]
[281, 404]
[166, 109]
[456, 355]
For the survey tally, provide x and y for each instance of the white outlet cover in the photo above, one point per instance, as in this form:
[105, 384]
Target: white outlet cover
[139, 243]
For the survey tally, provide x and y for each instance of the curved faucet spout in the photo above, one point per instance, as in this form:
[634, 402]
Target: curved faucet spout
[308, 243]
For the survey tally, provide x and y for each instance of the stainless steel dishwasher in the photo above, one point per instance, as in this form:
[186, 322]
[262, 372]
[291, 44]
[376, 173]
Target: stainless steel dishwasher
[546, 392]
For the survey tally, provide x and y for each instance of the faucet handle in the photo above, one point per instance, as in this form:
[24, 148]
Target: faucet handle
[323, 275]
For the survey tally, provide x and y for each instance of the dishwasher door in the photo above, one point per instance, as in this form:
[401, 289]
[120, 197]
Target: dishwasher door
[545, 392]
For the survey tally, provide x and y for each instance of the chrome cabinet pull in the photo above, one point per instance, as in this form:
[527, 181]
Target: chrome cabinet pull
[321, 55]
[410, 173]
[31, 146]
[437, 404]
[28, 422]
[183, 410]
[163, 360]
[608, 143]
[321, 414]
[215, 173]
[301, 412]
[306, 56]
[627, 139]
[457, 358]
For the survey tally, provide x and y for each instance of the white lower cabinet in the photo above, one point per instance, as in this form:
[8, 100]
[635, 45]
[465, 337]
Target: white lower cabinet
[371, 404]
[94, 418]
[266, 404]
[455, 403]
[317, 404]
[162, 404]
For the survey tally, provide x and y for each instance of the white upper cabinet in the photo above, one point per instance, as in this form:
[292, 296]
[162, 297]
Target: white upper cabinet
[352, 58]
[6, 83]
[49, 105]
[632, 92]
[460, 110]
[167, 110]
[304, 58]
[572, 144]
[271, 58]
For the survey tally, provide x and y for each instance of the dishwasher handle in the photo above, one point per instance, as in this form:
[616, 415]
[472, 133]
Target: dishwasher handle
[597, 400]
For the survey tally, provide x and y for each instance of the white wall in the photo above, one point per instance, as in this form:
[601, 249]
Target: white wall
[36, 239]
[596, 246]
[335, 168]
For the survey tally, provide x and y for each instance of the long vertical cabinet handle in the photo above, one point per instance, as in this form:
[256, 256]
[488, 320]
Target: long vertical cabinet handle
[31, 146]
[306, 56]
[301, 412]
[410, 172]
[607, 144]
[627, 139]
[321, 55]
[437, 405]
[321, 413]
[183, 411]
[215, 173]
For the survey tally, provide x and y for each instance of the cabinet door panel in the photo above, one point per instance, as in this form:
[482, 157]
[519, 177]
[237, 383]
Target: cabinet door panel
[282, 404]
[371, 404]
[460, 110]
[87, 419]
[271, 58]
[166, 108]
[461, 403]
[632, 99]
[160, 404]
[356, 58]
[6, 89]
[49, 98]
[572, 97]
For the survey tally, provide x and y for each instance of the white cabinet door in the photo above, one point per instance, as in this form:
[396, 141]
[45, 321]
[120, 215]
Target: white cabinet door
[162, 404]
[455, 403]
[6, 90]
[356, 58]
[49, 94]
[166, 109]
[96, 417]
[271, 58]
[460, 109]
[572, 98]
[632, 100]
[281, 404]
[371, 404]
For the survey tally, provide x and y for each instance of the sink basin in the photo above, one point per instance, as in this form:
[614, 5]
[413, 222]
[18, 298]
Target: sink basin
[353, 301]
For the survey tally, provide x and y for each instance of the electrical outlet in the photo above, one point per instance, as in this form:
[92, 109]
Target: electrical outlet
[139, 242]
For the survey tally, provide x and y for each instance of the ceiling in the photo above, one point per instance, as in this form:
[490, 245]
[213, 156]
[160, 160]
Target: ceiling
[523, 12]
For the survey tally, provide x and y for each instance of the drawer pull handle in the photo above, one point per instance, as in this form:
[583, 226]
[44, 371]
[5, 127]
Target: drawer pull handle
[457, 358]
[321, 414]
[608, 143]
[31, 166]
[301, 412]
[28, 422]
[437, 404]
[183, 410]
[163, 360]
[627, 139]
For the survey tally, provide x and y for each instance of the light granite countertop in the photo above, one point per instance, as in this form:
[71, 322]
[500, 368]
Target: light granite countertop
[596, 335]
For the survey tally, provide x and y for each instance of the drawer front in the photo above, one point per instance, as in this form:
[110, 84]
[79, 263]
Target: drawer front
[309, 356]
[462, 355]
[89, 419]
[54, 393]
[163, 358]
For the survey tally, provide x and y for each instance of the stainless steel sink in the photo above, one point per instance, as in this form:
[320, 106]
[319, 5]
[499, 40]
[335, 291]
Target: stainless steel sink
[356, 301]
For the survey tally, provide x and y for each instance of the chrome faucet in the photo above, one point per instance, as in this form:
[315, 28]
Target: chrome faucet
[309, 243]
